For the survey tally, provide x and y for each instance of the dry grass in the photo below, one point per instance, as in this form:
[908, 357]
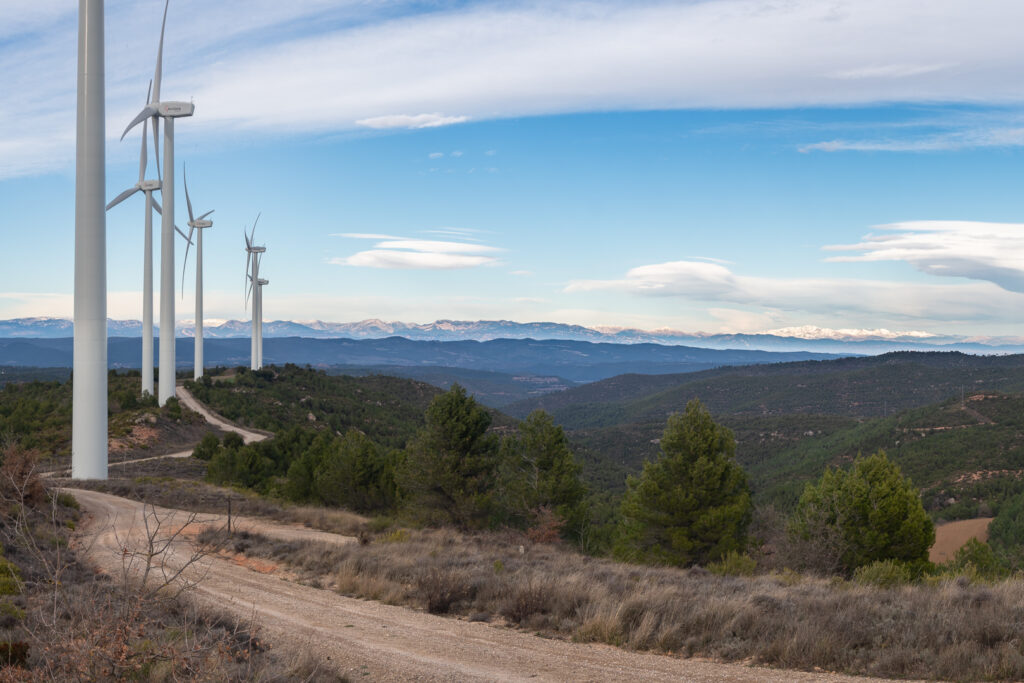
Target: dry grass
[953, 631]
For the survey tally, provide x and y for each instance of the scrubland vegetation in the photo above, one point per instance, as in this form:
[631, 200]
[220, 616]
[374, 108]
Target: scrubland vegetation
[470, 513]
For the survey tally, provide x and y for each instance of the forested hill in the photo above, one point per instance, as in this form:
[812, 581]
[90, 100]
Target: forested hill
[389, 410]
[854, 387]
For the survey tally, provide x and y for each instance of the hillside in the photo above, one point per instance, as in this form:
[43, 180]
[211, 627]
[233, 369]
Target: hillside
[494, 389]
[37, 415]
[387, 409]
[855, 387]
[961, 454]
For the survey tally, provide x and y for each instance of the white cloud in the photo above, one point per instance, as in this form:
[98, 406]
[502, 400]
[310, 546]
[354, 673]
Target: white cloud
[403, 253]
[384, 258]
[437, 246]
[412, 121]
[457, 153]
[521, 273]
[435, 155]
[709, 282]
[329, 65]
[992, 252]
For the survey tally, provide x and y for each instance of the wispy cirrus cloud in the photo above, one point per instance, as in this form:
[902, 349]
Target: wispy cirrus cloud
[407, 254]
[334, 65]
[991, 252]
[971, 138]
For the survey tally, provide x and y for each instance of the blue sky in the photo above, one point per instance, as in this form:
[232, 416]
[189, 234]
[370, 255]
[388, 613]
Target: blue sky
[725, 165]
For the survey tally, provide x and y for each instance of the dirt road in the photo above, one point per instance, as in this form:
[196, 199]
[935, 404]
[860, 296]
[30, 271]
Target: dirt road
[189, 401]
[378, 642]
[949, 537]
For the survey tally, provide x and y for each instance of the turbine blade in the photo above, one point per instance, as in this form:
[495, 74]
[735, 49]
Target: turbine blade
[184, 262]
[156, 205]
[142, 154]
[188, 201]
[121, 197]
[252, 235]
[145, 144]
[206, 214]
[160, 56]
[182, 233]
[143, 115]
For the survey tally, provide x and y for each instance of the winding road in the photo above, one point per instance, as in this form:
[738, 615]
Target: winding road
[371, 640]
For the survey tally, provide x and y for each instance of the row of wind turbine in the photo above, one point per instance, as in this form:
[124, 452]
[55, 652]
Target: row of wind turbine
[254, 288]
[157, 110]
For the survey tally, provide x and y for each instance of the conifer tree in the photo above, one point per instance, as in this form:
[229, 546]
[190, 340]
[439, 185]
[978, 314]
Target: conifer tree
[692, 505]
[451, 466]
[545, 474]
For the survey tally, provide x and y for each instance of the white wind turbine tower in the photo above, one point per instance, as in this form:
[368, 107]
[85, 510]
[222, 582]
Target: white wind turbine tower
[253, 255]
[196, 224]
[147, 187]
[259, 305]
[89, 389]
[168, 111]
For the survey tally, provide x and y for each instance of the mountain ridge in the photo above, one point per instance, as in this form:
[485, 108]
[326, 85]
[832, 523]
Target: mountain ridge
[807, 338]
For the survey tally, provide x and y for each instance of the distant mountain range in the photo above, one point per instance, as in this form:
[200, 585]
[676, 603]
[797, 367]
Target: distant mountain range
[575, 361]
[787, 339]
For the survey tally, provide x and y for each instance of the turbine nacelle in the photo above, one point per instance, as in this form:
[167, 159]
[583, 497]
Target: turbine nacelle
[174, 110]
[262, 282]
[199, 224]
[149, 185]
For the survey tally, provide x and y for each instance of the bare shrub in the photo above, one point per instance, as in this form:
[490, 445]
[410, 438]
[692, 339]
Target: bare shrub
[547, 527]
[441, 587]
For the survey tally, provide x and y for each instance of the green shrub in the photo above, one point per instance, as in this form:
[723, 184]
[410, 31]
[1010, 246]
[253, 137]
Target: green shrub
[976, 560]
[10, 578]
[207, 448]
[734, 564]
[869, 513]
[67, 500]
[884, 574]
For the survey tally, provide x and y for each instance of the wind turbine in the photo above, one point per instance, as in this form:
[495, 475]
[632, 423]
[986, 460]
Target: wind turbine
[148, 187]
[168, 111]
[253, 255]
[89, 390]
[259, 344]
[196, 224]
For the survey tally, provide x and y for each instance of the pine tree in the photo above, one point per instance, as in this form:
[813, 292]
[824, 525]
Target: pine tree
[692, 505]
[545, 475]
[451, 466]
